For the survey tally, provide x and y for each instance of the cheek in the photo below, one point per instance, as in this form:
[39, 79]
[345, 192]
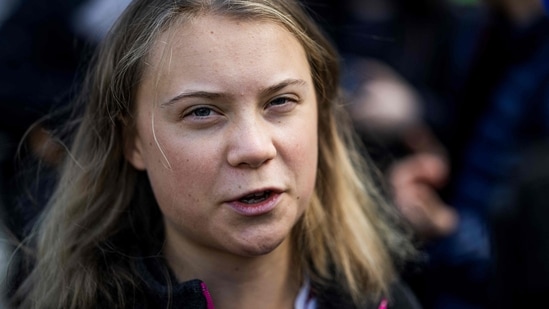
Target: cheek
[179, 169]
[304, 154]
[309, 160]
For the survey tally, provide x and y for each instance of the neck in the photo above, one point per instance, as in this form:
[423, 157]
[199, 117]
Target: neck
[266, 281]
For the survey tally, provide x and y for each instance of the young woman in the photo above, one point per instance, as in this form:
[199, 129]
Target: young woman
[212, 165]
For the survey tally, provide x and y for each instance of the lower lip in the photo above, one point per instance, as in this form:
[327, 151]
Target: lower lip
[256, 209]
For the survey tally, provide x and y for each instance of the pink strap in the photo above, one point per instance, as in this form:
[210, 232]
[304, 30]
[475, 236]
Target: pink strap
[206, 293]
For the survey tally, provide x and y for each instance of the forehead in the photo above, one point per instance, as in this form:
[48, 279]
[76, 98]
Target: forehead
[217, 35]
[215, 50]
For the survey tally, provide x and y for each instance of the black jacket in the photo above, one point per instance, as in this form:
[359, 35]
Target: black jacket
[193, 295]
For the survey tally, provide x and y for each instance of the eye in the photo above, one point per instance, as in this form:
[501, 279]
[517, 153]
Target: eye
[201, 116]
[281, 101]
[199, 112]
[283, 104]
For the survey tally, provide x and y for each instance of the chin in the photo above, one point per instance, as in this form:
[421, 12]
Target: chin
[261, 246]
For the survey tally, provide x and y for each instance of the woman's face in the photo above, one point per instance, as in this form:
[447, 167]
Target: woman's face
[227, 133]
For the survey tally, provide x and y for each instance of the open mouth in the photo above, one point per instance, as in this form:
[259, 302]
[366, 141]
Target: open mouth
[257, 197]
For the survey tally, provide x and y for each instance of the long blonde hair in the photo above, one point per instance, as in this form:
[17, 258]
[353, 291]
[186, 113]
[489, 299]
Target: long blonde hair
[102, 206]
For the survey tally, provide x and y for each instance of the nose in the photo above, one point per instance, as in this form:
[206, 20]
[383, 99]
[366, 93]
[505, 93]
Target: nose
[251, 144]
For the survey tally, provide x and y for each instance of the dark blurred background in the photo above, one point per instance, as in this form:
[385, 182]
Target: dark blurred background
[44, 49]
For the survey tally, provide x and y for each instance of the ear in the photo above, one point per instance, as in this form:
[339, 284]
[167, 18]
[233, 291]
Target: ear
[133, 150]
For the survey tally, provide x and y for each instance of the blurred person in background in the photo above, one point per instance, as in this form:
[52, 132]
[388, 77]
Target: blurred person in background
[500, 109]
[452, 130]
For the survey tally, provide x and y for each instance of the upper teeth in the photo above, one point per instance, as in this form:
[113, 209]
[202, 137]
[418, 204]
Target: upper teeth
[255, 197]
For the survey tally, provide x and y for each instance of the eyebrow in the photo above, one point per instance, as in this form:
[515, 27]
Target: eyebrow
[213, 95]
[283, 84]
[192, 94]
